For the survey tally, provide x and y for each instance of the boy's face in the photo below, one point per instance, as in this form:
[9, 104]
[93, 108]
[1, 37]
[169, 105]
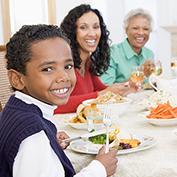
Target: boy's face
[50, 75]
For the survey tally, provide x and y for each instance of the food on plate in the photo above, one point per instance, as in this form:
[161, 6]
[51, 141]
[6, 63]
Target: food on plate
[108, 97]
[84, 111]
[159, 97]
[114, 141]
[163, 111]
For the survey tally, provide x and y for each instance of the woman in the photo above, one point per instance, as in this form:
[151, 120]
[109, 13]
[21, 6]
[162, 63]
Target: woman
[131, 52]
[87, 31]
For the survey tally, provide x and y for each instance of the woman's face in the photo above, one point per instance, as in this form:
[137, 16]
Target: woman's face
[88, 32]
[138, 32]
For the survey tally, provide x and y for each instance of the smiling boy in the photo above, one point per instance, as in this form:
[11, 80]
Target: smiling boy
[40, 71]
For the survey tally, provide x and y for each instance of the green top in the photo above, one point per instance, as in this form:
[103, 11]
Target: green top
[122, 60]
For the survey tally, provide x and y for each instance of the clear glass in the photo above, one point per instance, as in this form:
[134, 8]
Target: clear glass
[173, 67]
[157, 70]
[137, 76]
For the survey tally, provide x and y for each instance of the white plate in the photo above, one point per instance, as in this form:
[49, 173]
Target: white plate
[87, 102]
[87, 147]
[126, 100]
[161, 122]
[83, 126]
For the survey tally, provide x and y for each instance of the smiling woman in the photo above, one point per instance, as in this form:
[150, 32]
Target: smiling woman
[89, 37]
[132, 51]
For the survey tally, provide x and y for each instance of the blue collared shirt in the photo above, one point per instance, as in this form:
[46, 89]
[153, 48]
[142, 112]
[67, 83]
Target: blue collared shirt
[122, 60]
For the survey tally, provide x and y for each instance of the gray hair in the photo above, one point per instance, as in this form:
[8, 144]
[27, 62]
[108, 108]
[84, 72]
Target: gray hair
[135, 13]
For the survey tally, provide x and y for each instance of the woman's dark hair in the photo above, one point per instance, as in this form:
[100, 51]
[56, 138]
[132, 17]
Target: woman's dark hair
[19, 47]
[99, 58]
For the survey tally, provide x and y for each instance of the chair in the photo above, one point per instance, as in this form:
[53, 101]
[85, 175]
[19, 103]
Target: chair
[0, 107]
[5, 90]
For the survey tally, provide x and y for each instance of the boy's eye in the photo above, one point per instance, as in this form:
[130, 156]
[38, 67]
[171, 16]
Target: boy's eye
[69, 66]
[48, 69]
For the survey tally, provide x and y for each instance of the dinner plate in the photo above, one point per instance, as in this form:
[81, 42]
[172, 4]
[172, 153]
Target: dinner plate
[88, 147]
[161, 122]
[83, 126]
[89, 101]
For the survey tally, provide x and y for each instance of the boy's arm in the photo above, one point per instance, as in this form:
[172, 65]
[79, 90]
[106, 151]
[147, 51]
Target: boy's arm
[36, 158]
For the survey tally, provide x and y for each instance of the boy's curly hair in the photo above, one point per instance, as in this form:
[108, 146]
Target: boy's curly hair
[18, 49]
[99, 58]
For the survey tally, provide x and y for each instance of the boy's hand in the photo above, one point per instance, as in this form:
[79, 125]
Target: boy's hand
[62, 136]
[109, 160]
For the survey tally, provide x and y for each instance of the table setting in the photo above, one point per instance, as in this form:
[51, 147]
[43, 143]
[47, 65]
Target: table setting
[155, 156]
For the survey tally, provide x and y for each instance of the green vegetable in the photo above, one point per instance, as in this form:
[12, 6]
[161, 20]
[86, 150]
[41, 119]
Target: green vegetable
[99, 139]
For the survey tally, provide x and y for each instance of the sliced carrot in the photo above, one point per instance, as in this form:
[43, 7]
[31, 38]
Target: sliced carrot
[163, 111]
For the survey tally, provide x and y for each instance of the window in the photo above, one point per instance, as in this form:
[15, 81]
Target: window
[16, 13]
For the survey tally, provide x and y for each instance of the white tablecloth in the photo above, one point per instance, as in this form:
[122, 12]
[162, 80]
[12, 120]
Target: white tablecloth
[159, 161]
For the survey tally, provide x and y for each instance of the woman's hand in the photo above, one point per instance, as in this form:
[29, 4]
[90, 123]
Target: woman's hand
[60, 137]
[123, 88]
[148, 67]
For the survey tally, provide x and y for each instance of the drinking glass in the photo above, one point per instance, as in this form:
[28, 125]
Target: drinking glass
[137, 76]
[90, 118]
[173, 66]
[157, 69]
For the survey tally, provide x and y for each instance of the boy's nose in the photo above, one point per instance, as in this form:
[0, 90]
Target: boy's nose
[62, 77]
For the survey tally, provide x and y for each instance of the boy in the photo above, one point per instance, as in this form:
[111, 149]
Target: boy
[40, 71]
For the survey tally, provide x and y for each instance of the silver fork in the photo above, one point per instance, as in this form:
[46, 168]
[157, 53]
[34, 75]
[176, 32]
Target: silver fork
[107, 123]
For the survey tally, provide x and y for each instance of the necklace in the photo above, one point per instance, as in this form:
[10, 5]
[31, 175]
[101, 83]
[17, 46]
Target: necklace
[82, 71]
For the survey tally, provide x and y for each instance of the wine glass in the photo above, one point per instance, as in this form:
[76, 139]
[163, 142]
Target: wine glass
[137, 76]
[157, 68]
[173, 66]
[156, 71]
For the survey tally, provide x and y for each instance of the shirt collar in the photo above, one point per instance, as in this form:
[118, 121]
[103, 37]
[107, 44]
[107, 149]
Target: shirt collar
[129, 52]
[47, 110]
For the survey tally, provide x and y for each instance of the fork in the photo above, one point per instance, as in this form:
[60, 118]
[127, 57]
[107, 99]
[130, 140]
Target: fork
[107, 123]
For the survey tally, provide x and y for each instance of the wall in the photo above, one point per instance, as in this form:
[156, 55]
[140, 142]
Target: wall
[1, 29]
[114, 11]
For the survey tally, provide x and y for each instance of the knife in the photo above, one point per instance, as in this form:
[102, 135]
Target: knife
[87, 135]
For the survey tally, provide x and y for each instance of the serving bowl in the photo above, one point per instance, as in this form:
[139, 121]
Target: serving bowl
[117, 109]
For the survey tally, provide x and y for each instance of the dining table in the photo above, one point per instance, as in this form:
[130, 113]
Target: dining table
[160, 160]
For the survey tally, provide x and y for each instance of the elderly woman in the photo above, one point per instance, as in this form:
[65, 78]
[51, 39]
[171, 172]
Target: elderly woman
[131, 52]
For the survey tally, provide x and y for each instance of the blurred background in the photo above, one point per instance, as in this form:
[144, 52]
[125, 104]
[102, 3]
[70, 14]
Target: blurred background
[163, 40]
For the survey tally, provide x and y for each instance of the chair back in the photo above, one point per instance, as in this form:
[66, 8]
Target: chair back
[5, 89]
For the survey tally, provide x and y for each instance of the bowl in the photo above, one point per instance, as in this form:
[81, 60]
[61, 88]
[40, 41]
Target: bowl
[117, 109]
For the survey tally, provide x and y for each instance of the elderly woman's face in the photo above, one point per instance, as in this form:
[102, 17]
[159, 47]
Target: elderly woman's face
[138, 32]
[88, 32]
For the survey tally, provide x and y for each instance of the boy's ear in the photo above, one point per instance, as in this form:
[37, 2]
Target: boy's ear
[16, 79]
